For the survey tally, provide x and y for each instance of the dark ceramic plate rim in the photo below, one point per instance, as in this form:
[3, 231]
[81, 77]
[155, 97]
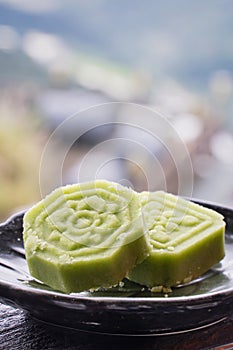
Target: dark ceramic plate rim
[176, 300]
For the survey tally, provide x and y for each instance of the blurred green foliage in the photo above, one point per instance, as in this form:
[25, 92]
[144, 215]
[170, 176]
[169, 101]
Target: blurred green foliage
[21, 144]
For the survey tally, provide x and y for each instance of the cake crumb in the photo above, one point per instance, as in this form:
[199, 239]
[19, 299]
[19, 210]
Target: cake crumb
[188, 279]
[157, 289]
[167, 290]
[161, 289]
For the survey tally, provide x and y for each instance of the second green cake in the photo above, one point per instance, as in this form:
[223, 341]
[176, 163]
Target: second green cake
[187, 239]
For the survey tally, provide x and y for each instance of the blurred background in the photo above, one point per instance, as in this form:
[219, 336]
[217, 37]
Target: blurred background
[60, 57]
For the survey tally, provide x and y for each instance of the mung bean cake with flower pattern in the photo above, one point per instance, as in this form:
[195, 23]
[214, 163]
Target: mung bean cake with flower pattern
[85, 236]
[186, 238]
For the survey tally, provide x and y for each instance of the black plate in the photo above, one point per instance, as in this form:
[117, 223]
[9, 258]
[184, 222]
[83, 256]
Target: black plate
[128, 309]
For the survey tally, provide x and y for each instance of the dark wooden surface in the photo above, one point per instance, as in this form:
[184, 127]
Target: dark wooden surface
[19, 331]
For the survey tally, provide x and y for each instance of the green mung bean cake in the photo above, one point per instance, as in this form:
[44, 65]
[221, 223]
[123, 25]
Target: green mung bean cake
[85, 236]
[187, 239]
